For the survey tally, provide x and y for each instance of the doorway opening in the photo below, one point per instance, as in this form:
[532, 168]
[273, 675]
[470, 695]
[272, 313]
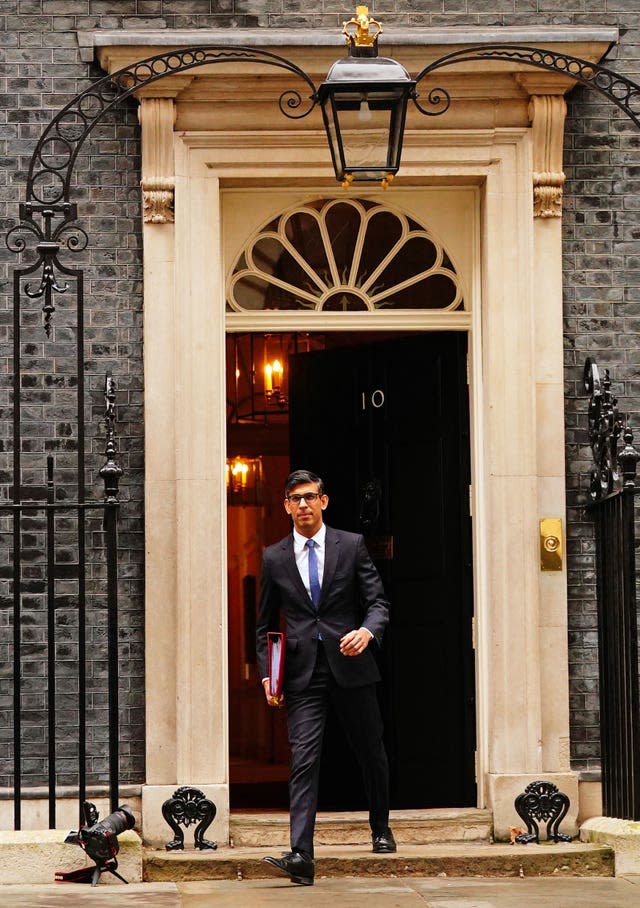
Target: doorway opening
[383, 418]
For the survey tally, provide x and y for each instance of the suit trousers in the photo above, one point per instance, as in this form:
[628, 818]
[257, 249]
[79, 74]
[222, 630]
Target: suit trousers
[359, 713]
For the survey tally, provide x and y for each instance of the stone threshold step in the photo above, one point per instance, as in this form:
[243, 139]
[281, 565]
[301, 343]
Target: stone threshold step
[256, 829]
[500, 860]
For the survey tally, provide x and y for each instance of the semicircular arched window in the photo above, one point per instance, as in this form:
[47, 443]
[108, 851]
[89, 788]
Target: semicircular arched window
[343, 256]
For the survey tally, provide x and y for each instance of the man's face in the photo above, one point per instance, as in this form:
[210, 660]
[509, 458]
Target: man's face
[306, 515]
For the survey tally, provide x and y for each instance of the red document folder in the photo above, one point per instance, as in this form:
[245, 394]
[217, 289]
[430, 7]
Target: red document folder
[275, 655]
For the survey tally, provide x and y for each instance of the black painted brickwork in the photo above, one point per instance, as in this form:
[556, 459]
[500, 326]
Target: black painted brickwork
[40, 70]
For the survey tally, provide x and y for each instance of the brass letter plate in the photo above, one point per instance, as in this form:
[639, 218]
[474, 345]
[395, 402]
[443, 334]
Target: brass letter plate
[551, 548]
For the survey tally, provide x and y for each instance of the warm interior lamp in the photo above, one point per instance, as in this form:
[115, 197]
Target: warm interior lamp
[258, 391]
[277, 375]
[243, 480]
[237, 474]
[273, 379]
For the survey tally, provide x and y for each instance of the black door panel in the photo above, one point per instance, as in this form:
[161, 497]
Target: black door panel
[386, 426]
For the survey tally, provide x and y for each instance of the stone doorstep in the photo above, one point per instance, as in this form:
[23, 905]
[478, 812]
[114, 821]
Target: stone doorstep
[420, 827]
[621, 835]
[450, 860]
[34, 856]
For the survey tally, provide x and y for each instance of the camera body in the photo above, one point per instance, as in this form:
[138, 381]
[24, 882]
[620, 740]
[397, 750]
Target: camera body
[99, 838]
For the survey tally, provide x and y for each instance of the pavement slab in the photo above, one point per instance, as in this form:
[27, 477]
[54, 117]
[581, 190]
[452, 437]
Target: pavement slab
[541, 893]
[80, 895]
[415, 893]
[397, 892]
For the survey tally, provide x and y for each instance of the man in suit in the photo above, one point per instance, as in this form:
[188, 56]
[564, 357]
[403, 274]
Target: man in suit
[324, 583]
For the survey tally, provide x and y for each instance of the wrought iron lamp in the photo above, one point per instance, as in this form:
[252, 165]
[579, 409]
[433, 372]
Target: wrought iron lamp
[364, 106]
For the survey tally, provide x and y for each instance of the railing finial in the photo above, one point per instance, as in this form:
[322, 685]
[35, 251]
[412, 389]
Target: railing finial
[612, 469]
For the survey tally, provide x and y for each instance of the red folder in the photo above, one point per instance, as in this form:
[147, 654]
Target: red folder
[275, 656]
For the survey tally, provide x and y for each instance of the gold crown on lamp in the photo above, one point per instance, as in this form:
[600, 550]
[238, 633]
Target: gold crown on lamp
[357, 31]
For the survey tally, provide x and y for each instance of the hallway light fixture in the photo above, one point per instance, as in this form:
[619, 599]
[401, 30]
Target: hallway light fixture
[364, 106]
[257, 375]
[244, 480]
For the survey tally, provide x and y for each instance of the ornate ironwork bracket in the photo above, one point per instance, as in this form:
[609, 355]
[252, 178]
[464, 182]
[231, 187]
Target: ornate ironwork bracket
[50, 238]
[111, 471]
[187, 806]
[612, 469]
[542, 802]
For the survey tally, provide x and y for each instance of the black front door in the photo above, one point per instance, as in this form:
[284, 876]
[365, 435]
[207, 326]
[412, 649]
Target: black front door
[386, 425]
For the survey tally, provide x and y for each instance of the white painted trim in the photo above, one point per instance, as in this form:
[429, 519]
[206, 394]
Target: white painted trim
[422, 320]
[497, 170]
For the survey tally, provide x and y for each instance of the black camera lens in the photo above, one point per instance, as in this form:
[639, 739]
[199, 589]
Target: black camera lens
[119, 821]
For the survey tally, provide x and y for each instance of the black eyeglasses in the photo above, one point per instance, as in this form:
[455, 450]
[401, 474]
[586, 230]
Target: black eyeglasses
[310, 497]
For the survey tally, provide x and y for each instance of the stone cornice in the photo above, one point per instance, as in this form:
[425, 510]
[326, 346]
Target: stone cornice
[316, 50]
[570, 37]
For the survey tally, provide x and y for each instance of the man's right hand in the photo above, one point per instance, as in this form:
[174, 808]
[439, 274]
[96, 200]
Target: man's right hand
[267, 694]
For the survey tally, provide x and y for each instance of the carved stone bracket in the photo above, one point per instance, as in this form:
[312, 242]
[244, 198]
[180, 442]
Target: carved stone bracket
[547, 195]
[187, 806]
[547, 114]
[542, 802]
[157, 116]
[157, 200]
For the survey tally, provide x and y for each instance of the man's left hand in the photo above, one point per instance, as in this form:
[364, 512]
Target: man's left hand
[355, 642]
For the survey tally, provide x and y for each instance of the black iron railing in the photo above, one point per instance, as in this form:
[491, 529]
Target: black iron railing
[26, 519]
[613, 494]
[48, 584]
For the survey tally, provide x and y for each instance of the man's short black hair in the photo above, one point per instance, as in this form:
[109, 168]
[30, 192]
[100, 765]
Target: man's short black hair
[300, 477]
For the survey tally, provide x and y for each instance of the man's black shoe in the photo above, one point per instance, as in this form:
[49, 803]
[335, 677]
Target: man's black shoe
[299, 868]
[385, 843]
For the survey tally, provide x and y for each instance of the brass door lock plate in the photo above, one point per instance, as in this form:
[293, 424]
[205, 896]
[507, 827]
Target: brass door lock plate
[551, 546]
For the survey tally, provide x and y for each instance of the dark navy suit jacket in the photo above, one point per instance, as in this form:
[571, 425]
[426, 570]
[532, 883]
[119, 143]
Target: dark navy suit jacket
[352, 596]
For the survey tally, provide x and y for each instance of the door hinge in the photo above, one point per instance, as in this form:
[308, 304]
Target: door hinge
[470, 500]
[468, 369]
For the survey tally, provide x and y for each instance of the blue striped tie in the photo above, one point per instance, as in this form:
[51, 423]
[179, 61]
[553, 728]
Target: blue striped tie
[314, 583]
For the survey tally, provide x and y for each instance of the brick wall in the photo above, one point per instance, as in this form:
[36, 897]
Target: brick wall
[601, 309]
[40, 70]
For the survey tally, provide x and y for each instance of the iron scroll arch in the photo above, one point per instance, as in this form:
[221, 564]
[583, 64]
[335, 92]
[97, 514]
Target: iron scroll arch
[48, 216]
[623, 92]
[60, 143]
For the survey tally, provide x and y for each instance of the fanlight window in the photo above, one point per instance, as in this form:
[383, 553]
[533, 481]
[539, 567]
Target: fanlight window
[340, 256]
